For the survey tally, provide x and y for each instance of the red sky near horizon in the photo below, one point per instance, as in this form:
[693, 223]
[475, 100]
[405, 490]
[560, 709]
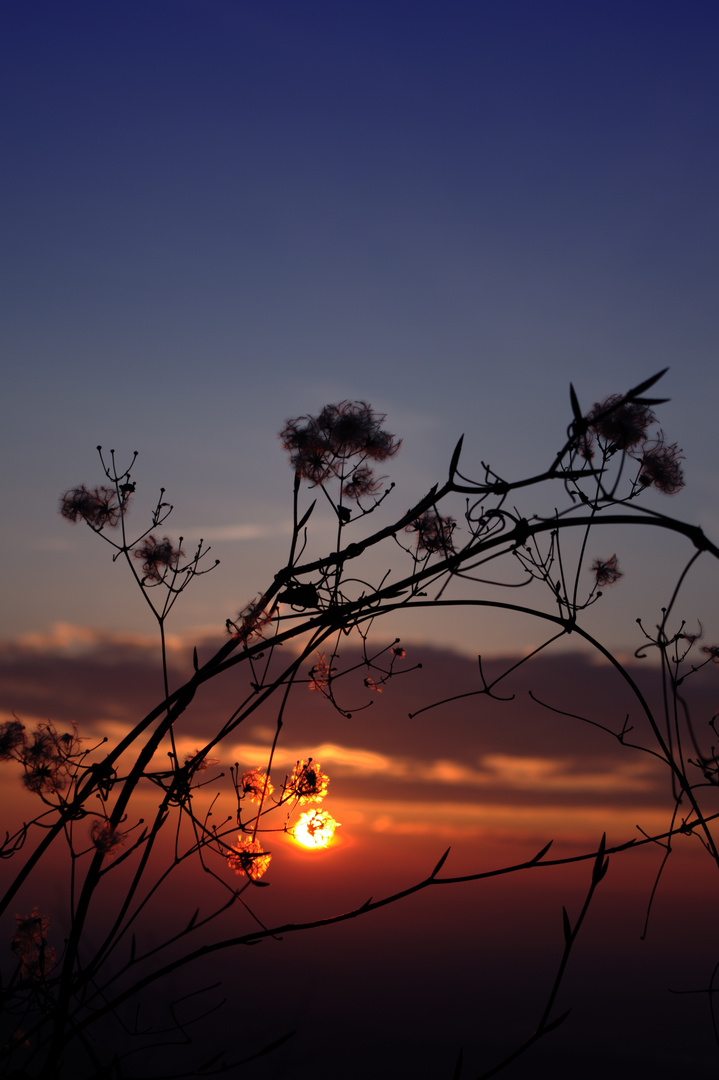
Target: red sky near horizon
[495, 781]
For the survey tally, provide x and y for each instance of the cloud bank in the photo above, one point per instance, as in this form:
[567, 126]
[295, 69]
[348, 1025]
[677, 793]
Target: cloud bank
[475, 750]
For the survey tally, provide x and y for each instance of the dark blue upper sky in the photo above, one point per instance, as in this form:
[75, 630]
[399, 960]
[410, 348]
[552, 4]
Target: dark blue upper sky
[220, 214]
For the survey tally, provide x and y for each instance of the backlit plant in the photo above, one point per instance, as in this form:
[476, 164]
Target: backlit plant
[60, 998]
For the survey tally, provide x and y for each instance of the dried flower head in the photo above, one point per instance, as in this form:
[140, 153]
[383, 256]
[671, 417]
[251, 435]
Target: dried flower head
[307, 782]
[606, 572]
[399, 652]
[320, 674]
[48, 759]
[319, 445]
[660, 467]
[105, 838]
[362, 483]
[309, 454]
[249, 859]
[42, 749]
[712, 652]
[158, 557]
[371, 684]
[256, 784]
[98, 507]
[251, 620]
[48, 743]
[199, 762]
[12, 737]
[621, 424]
[29, 943]
[45, 780]
[434, 533]
[353, 427]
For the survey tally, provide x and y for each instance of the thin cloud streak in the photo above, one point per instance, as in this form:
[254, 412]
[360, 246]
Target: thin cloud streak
[71, 639]
[218, 533]
[511, 772]
[496, 821]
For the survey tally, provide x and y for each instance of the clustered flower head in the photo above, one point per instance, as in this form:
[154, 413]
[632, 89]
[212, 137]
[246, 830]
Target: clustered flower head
[320, 674]
[620, 424]
[97, 506]
[105, 838]
[307, 782]
[320, 446]
[362, 483]
[372, 684]
[434, 533]
[12, 738]
[256, 784]
[249, 859]
[45, 779]
[46, 756]
[199, 762]
[606, 571]
[29, 943]
[660, 466]
[251, 621]
[158, 557]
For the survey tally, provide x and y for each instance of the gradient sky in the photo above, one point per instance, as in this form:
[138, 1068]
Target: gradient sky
[221, 214]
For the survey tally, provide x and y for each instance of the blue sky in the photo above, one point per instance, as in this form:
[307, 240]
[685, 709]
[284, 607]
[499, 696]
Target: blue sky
[218, 215]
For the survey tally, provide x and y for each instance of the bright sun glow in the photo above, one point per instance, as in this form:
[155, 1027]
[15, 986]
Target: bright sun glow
[315, 829]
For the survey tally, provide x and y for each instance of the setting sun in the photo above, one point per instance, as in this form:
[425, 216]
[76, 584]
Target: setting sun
[315, 829]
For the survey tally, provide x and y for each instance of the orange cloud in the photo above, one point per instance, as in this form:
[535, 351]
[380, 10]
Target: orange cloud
[513, 772]
[72, 640]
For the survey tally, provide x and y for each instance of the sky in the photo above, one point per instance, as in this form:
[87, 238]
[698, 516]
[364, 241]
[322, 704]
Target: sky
[404, 987]
[221, 214]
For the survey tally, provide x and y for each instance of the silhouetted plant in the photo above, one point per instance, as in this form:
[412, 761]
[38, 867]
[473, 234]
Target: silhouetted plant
[58, 995]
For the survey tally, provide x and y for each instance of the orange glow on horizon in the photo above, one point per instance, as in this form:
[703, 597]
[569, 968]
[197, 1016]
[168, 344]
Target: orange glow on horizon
[315, 829]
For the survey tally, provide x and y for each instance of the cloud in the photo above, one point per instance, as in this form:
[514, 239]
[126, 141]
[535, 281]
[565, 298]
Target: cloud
[506, 771]
[359, 762]
[473, 750]
[71, 639]
[217, 533]
[570, 775]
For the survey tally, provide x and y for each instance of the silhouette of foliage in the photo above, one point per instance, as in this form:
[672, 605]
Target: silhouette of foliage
[59, 997]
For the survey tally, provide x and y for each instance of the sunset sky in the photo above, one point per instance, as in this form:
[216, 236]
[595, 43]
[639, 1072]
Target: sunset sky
[220, 214]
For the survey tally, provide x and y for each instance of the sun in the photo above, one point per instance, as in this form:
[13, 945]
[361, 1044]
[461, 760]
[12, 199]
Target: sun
[315, 829]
